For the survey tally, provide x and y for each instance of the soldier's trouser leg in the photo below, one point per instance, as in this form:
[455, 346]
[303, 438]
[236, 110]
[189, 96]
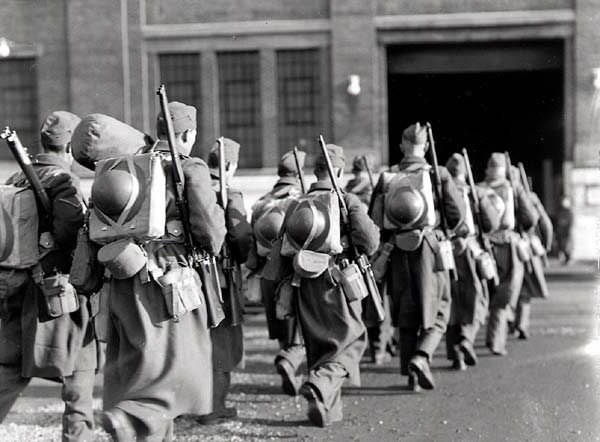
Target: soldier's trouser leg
[221, 384]
[78, 418]
[381, 335]
[11, 386]
[497, 329]
[408, 347]
[429, 341]
[523, 315]
[294, 354]
[328, 380]
[469, 331]
[453, 337]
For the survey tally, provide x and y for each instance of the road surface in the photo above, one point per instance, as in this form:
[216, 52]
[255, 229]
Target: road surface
[546, 389]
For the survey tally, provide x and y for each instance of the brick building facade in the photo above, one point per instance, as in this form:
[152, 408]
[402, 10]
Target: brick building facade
[488, 74]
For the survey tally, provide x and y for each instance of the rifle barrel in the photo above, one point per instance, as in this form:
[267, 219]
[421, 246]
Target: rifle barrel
[299, 169]
[369, 172]
[18, 151]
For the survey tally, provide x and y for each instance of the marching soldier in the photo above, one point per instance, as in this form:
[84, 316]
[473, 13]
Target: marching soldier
[360, 184]
[404, 207]
[158, 362]
[470, 296]
[34, 341]
[267, 219]
[534, 283]
[329, 316]
[508, 250]
[564, 229]
[227, 338]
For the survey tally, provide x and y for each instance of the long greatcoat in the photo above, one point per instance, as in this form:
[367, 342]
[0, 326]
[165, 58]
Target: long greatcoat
[49, 347]
[158, 368]
[510, 268]
[285, 189]
[419, 294]
[534, 283]
[332, 327]
[227, 339]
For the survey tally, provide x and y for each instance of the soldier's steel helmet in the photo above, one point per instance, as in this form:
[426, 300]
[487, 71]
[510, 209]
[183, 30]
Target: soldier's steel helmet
[309, 226]
[406, 207]
[267, 227]
[113, 190]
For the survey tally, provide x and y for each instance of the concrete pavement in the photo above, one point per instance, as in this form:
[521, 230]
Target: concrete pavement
[546, 389]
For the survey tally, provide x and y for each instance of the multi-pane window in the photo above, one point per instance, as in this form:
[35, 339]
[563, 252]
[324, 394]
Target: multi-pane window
[301, 100]
[18, 98]
[181, 75]
[240, 107]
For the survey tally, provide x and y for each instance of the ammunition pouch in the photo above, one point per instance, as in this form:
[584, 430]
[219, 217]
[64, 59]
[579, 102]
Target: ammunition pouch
[285, 299]
[351, 281]
[59, 295]
[309, 264]
[523, 249]
[122, 258]
[537, 248]
[181, 288]
[442, 249]
[486, 266]
[409, 240]
[86, 273]
[381, 260]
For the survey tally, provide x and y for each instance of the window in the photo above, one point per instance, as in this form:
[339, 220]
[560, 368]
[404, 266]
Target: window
[302, 99]
[18, 96]
[240, 111]
[180, 73]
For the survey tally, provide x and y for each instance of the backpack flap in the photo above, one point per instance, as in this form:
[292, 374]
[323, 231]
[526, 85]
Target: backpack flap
[18, 228]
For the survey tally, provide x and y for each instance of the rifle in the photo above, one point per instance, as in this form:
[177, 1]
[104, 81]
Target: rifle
[369, 172]
[198, 258]
[300, 170]
[20, 154]
[361, 260]
[516, 203]
[483, 240]
[439, 194]
[233, 307]
[528, 193]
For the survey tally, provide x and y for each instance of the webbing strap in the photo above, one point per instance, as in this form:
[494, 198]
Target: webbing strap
[313, 228]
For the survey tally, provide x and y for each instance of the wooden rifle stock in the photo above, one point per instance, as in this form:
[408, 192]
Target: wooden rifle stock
[361, 260]
[439, 193]
[199, 259]
[20, 154]
[233, 308]
[483, 241]
[300, 170]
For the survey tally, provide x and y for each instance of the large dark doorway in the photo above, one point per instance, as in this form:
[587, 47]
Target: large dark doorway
[485, 98]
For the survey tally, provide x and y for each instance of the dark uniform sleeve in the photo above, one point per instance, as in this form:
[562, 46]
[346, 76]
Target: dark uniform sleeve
[239, 231]
[376, 206]
[544, 223]
[453, 201]
[206, 216]
[365, 233]
[67, 209]
[527, 215]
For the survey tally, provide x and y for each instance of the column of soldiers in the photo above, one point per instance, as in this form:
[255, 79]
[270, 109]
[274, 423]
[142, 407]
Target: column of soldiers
[165, 235]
